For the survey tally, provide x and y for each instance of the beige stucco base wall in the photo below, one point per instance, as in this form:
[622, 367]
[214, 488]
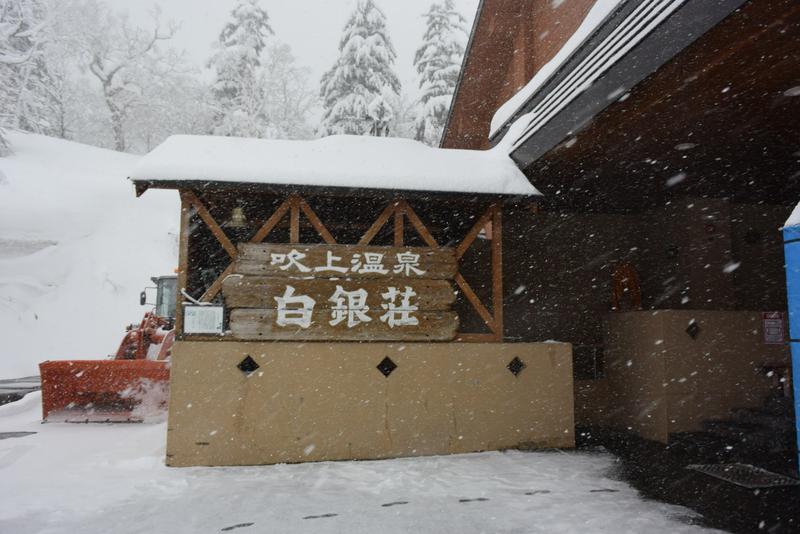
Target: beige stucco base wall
[327, 401]
[659, 380]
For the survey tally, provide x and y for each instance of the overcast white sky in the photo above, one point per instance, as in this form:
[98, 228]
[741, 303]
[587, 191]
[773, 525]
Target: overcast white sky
[311, 27]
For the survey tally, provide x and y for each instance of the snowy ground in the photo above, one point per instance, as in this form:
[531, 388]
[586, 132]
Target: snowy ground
[112, 479]
[76, 248]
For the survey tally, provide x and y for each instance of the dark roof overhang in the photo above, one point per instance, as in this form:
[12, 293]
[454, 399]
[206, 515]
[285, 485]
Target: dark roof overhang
[249, 188]
[564, 106]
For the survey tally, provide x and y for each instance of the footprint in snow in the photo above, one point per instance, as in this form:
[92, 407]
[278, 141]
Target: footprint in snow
[240, 525]
[7, 435]
[478, 499]
[396, 503]
[319, 516]
[604, 490]
[537, 492]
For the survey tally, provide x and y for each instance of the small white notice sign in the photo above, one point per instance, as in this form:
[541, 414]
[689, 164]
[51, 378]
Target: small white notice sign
[202, 319]
[773, 327]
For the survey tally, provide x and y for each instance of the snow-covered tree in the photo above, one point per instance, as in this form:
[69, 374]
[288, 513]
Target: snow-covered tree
[20, 63]
[173, 101]
[438, 62]
[405, 114]
[66, 92]
[357, 92]
[237, 90]
[288, 98]
[115, 52]
[33, 77]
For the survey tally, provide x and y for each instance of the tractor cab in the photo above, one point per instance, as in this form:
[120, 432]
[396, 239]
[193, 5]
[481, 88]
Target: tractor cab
[165, 299]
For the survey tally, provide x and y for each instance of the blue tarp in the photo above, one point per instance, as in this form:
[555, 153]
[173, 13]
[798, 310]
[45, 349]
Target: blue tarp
[791, 247]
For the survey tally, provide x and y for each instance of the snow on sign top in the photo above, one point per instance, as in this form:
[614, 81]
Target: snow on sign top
[335, 161]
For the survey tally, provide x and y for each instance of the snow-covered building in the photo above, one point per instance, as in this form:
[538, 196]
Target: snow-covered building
[345, 298]
[663, 136]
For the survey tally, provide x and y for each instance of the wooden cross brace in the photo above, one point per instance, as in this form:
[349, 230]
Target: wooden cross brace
[294, 204]
[492, 218]
[399, 209]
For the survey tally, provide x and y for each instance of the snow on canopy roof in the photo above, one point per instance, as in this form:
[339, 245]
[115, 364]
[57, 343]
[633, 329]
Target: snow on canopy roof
[336, 161]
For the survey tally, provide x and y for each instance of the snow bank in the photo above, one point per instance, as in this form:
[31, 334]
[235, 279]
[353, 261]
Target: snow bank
[596, 15]
[96, 479]
[76, 247]
[335, 161]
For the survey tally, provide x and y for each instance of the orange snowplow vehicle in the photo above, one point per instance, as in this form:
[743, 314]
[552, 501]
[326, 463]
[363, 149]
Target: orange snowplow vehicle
[130, 386]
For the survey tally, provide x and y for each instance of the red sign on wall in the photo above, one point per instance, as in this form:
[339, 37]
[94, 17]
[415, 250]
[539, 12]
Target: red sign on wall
[773, 326]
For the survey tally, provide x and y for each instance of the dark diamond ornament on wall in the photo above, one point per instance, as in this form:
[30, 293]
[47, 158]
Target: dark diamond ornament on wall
[516, 366]
[248, 365]
[387, 366]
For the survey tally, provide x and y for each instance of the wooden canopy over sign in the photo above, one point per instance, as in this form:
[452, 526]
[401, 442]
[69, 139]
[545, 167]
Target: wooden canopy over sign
[254, 282]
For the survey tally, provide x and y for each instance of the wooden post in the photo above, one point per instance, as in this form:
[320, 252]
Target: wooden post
[215, 228]
[398, 228]
[183, 262]
[294, 204]
[373, 230]
[497, 270]
[473, 233]
[418, 225]
[473, 299]
[294, 219]
[317, 223]
[270, 223]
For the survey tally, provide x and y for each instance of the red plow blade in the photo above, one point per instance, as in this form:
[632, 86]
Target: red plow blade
[86, 391]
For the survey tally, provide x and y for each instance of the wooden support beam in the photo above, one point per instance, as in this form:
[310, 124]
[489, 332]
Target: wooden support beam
[214, 289]
[399, 228]
[418, 225]
[294, 204]
[316, 223]
[210, 222]
[270, 223]
[294, 219]
[462, 248]
[475, 301]
[497, 269]
[370, 234]
[183, 261]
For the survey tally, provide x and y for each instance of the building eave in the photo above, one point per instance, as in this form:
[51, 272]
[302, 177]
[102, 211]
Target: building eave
[660, 44]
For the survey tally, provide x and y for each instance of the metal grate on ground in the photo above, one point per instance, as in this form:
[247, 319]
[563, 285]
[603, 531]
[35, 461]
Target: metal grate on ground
[745, 475]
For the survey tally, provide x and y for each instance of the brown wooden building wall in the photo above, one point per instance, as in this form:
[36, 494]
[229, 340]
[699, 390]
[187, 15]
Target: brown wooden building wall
[511, 41]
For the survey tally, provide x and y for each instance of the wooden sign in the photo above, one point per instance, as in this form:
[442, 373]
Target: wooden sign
[341, 292]
[332, 261]
[263, 324]
[265, 292]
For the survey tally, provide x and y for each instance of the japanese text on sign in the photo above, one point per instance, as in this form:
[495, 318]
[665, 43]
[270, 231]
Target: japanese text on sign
[349, 307]
[360, 263]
